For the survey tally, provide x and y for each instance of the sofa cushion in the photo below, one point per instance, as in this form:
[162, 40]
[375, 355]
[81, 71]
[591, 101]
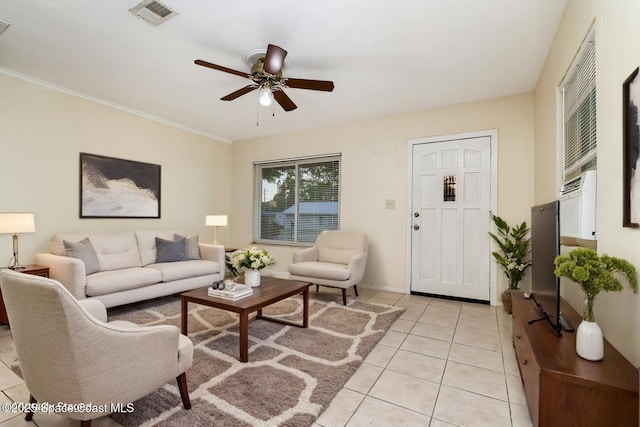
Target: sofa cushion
[192, 248]
[83, 250]
[340, 247]
[184, 269]
[170, 250]
[147, 243]
[57, 241]
[107, 282]
[320, 270]
[114, 250]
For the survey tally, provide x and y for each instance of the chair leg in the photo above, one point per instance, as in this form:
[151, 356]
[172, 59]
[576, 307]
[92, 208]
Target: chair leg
[29, 415]
[355, 289]
[344, 296]
[184, 391]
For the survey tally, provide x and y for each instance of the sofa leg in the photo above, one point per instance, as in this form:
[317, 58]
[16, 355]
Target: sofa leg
[355, 289]
[184, 391]
[344, 296]
[317, 288]
[32, 402]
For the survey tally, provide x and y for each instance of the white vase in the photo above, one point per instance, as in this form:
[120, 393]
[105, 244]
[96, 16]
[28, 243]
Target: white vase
[252, 278]
[589, 341]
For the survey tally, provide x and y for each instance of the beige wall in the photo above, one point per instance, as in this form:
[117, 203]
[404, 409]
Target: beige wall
[618, 54]
[42, 132]
[374, 168]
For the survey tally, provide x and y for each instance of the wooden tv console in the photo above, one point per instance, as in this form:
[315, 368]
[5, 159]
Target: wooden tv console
[562, 389]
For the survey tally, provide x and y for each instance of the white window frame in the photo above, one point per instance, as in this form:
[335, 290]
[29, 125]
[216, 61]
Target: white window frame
[578, 105]
[296, 163]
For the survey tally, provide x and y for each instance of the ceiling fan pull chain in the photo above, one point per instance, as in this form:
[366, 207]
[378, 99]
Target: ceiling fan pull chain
[258, 114]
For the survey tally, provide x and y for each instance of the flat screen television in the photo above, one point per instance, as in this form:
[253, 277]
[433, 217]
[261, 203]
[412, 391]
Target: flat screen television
[545, 246]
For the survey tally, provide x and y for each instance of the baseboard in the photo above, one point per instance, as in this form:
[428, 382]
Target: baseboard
[285, 275]
[276, 274]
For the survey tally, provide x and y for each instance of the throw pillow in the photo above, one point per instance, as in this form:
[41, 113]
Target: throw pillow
[83, 250]
[192, 250]
[169, 250]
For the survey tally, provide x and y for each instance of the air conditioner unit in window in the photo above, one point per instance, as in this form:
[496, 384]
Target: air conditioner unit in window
[578, 207]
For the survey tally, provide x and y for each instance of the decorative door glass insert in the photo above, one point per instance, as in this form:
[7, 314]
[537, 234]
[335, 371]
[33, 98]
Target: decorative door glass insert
[449, 188]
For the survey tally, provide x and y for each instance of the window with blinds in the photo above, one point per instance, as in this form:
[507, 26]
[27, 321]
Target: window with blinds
[579, 111]
[297, 199]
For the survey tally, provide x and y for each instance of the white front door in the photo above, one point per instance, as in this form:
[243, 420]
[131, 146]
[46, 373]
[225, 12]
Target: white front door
[450, 218]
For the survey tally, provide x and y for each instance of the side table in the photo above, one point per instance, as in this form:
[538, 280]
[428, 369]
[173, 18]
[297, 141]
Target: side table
[36, 270]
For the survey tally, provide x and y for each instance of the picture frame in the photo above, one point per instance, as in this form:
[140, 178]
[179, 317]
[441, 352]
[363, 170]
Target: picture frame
[631, 150]
[118, 188]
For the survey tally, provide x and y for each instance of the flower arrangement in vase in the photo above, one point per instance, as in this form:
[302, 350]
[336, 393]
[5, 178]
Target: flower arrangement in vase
[515, 245]
[252, 260]
[594, 274]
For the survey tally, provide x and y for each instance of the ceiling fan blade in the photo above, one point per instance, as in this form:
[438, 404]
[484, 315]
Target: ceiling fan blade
[323, 85]
[285, 102]
[239, 93]
[220, 68]
[274, 59]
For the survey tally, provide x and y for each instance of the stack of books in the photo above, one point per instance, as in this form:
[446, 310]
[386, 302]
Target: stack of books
[239, 291]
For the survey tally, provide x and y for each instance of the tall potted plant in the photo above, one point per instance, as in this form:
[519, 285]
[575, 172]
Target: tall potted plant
[514, 244]
[594, 274]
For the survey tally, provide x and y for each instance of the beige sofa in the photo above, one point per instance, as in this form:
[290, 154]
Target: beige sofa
[121, 268]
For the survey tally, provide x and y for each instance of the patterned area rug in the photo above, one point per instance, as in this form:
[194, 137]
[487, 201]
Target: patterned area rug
[292, 374]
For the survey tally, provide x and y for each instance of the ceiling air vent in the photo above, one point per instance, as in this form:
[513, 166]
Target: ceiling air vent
[152, 11]
[3, 26]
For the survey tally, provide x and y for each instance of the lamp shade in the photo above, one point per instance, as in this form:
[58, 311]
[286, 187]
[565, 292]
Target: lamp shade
[216, 220]
[17, 222]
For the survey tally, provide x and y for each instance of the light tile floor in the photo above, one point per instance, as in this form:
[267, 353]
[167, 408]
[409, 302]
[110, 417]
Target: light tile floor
[442, 363]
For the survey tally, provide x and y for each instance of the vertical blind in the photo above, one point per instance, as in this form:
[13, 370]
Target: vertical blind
[579, 110]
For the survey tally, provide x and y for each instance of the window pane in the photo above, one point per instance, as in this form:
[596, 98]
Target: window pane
[318, 201]
[298, 199]
[449, 188]
[580, 134]
[579, 110]
[278, 196]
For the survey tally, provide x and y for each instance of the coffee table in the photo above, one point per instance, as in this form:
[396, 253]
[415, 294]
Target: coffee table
[269, 292]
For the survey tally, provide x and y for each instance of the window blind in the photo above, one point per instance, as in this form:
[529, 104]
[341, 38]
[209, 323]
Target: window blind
[297, 198]
[579, 110]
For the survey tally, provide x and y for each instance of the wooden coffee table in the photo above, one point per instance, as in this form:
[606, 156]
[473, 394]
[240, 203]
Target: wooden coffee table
[269, 292]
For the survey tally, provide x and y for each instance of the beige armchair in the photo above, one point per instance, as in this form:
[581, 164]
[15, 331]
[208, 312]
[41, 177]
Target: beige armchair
[69, 354]
[337, 260]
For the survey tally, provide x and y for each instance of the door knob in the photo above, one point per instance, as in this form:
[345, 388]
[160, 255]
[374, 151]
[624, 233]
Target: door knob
[416, 227]
[416, 214]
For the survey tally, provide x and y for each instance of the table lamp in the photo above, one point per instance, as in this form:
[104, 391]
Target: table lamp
[216, 221]
[16, 223]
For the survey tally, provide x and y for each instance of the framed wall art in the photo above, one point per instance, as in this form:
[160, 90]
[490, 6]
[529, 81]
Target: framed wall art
[117, 188]
[631, 149]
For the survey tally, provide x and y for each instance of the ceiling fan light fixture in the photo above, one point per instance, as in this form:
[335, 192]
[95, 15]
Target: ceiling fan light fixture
[265, 97]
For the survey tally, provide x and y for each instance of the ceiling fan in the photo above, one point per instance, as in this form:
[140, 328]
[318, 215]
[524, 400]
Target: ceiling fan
[266, 74]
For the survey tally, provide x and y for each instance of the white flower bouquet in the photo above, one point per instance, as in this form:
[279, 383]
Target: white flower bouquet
[251, 258]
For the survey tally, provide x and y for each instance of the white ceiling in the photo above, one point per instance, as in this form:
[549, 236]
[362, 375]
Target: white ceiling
[385, 57]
